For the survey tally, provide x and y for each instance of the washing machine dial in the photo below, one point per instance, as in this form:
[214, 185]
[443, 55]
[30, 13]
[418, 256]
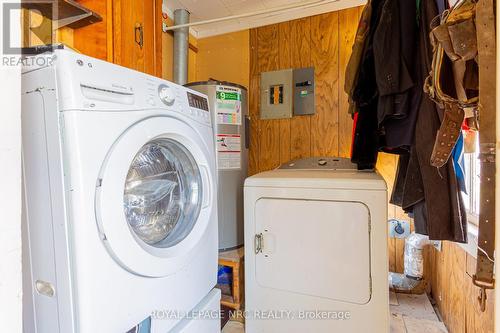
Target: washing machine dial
[166, 94]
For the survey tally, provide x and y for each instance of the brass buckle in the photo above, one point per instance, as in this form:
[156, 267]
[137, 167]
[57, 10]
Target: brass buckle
[482, 291]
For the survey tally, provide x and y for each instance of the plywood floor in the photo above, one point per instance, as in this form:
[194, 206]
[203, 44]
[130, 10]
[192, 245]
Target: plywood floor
[414, 314]
[409, 314]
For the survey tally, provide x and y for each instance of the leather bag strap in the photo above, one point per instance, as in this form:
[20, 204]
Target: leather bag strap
[485, 25]
[448, 134]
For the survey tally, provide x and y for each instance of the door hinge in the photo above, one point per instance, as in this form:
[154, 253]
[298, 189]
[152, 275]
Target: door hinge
[258, 243]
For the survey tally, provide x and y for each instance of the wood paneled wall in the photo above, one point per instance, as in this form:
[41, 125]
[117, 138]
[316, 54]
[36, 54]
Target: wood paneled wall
[225, 58]
[449, 273]
[325, 42]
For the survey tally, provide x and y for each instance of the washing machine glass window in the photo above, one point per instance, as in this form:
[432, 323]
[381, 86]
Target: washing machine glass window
[163, 193]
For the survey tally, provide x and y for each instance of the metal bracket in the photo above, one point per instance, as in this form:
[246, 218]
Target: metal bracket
[58, 24]
[482, 291]
[482, 299]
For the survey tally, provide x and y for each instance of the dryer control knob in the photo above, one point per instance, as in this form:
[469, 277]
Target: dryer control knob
[166, 94]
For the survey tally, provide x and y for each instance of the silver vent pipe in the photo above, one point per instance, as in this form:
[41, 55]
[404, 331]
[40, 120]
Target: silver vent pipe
[412, 278]
[181, 47]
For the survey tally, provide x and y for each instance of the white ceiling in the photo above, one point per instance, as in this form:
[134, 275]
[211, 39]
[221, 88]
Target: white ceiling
[210, 9]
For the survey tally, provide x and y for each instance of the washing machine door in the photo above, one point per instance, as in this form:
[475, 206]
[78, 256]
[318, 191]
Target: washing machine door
[154, 196]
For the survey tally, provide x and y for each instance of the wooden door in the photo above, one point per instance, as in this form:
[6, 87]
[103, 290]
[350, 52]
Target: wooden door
[134, 23]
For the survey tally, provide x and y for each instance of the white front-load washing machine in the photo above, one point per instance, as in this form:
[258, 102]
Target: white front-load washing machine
[316, 249]
[120, 200]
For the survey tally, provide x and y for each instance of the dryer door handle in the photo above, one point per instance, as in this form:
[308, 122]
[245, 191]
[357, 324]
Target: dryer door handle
[207, 193]
[258, 240]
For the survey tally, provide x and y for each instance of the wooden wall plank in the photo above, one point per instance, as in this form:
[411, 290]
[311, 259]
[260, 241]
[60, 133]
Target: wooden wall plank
[254, 56]
[324, 58]
[109, 31]
[386, 166]
[285, 59]
[455, 302]
[267, 48]
[268, 57]
[150, 22]
[253, 104]
[158, 32]
[437, 280]
[347, 34]
[399, 244]
[301, 57]
[428, 266]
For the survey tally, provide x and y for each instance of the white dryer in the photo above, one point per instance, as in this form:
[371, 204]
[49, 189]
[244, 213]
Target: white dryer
[316, 255]
[120, 199]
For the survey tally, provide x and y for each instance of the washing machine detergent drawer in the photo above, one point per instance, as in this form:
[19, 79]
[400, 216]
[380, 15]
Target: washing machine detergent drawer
[314, 248]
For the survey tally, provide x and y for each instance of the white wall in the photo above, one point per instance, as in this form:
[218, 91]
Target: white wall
[10, 190]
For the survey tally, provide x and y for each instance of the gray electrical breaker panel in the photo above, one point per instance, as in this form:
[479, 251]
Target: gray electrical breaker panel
[276, 94]
[303, 91]
[286, 93]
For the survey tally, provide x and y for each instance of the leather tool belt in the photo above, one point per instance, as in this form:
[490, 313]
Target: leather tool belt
[453, 81]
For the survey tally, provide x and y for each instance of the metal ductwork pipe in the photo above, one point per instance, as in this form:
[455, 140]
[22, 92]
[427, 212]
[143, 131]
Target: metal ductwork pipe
[181, 47]
[411, 280]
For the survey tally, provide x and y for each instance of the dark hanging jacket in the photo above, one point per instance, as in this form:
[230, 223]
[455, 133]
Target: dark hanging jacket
[431, 194]
[353, 66]
[395, 44]
[365, 95]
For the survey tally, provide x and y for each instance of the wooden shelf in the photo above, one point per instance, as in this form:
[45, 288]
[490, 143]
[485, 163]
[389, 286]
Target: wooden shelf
[69, 13]
[228, 301]
[234, 259]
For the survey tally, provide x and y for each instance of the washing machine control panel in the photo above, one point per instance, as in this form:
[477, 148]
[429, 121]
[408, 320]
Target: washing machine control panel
[198, 102]
[198, 106]
[183, 100]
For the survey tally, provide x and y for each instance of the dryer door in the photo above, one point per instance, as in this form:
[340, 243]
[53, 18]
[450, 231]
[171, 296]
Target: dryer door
[315, 248]
[153, 198]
